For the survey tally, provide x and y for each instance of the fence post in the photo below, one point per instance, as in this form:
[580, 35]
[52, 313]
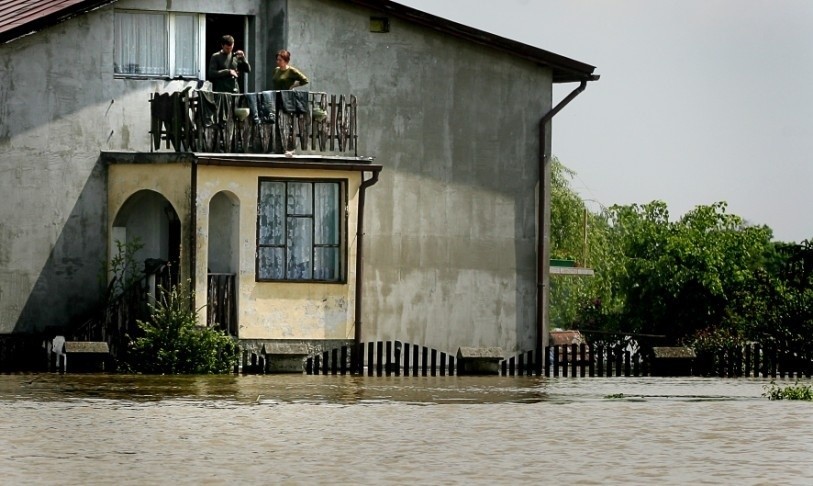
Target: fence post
[547, 358]
[388, 366]
[406, 359]
[600, 362]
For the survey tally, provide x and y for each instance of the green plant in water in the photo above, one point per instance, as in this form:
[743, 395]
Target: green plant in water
[172, 342]
[790, 392]
[123, 270]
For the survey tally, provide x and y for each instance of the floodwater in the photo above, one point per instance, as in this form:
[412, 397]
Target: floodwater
[120, 429]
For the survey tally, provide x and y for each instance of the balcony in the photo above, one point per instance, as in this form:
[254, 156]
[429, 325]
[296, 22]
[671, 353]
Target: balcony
[269, 122]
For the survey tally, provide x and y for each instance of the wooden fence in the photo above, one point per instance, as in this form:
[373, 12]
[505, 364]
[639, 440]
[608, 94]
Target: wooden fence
[221, 302]
[327, 124]
[385, 358]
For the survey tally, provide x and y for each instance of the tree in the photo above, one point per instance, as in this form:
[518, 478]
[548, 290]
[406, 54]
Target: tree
[679, 277]
[582, 235]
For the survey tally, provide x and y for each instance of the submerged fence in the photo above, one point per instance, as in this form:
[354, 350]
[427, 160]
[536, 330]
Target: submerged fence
[386, 358]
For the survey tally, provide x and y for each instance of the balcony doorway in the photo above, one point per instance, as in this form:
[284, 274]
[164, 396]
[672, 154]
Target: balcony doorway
[234, 25]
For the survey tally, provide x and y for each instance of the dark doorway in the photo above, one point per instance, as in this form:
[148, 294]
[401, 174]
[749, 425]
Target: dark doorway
[219, 25]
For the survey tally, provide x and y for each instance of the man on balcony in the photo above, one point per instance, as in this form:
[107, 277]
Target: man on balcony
[226, 66]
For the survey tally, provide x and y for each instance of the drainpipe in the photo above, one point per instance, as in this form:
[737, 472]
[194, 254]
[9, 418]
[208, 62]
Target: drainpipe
[542, 251]
[193, 231]
[360, 251]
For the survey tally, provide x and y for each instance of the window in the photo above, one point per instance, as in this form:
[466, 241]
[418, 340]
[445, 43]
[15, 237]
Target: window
[299, 230]
[158, 44]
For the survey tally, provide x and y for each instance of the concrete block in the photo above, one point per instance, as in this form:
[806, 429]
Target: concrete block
[285, 357]
[91, 356]
[672, 361]
[479, 361]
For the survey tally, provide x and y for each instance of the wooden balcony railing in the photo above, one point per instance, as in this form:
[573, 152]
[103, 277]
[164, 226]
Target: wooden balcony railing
[268, 122]
[221, 303]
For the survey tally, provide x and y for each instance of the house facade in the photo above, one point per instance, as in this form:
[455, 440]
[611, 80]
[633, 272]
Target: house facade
[422, 222]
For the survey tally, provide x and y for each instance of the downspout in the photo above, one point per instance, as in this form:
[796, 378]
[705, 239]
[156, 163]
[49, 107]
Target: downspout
[193, 226]
[542, 251]
[360, 252]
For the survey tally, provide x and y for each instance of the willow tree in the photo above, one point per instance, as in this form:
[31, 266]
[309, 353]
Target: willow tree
[579, 234]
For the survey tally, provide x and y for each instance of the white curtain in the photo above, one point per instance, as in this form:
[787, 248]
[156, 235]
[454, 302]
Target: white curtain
[326, 232]
[271, 248]
[186, 42]
[299, 231]
[140, 43]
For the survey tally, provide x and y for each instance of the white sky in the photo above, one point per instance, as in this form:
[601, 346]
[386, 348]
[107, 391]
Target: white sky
[699, 100]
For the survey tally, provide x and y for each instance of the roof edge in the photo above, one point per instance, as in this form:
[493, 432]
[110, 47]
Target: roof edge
[565, 69]
[57, 17]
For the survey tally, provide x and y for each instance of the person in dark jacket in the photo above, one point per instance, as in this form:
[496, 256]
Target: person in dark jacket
[226, 65]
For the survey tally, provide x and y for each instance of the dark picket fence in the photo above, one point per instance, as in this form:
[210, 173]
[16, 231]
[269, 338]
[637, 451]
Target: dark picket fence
[382, 358]
[386, 358]
[755, 360]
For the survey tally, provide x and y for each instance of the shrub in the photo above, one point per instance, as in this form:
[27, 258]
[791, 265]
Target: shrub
[790, 392]
[172, 342]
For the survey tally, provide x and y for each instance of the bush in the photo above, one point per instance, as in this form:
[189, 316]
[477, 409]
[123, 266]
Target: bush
[172, 342]
[790, 392]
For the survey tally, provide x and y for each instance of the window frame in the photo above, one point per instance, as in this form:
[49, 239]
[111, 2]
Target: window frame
[169, 42]
[342, 229]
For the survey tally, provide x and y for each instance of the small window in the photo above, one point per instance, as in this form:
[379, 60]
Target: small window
[157, 44]
[300, 230]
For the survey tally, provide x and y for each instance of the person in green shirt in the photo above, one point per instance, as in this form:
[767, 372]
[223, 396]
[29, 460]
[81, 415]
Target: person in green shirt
[286, 77]
[226, 65]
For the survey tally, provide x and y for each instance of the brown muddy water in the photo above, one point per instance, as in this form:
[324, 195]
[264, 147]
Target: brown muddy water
[118, 429]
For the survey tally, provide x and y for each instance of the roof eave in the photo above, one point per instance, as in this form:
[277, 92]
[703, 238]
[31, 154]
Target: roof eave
[54, 18]
[565, 70]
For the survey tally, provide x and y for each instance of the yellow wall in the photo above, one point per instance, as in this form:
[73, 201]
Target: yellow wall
[275, 310]
[172, 181]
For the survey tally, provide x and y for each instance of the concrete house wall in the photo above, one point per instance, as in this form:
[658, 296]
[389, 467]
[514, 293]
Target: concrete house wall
[451, 243]
[450, 229]
[60, 106]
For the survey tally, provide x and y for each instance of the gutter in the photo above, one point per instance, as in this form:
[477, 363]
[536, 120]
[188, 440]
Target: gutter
[543, 250]
[360, 257]
[193, 225]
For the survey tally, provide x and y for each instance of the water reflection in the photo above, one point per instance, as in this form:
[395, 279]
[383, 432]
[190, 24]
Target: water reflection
[124, 429]
[276, 388]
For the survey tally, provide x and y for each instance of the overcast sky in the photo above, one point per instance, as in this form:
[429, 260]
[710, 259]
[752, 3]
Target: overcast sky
[699, 100]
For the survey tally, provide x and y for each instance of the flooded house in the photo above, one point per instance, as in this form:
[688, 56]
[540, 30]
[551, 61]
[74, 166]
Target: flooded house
[402, 196]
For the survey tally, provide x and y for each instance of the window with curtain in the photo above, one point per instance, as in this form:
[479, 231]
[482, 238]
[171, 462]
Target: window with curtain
[156, 44]
[299, 230]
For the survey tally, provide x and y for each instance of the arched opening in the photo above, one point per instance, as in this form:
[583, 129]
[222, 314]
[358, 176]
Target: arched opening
[223, 261]
[149, 226]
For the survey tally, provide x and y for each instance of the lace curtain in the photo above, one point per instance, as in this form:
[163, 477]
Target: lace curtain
[299, 231]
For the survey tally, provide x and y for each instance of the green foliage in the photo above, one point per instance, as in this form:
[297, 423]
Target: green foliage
[789, 392]
[679, 277]
[580, 234]
[714, 339]
[123, 270]
[174, 343]
[707, 279]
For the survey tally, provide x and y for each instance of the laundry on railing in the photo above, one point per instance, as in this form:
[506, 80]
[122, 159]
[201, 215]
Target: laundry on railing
[262, 122]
